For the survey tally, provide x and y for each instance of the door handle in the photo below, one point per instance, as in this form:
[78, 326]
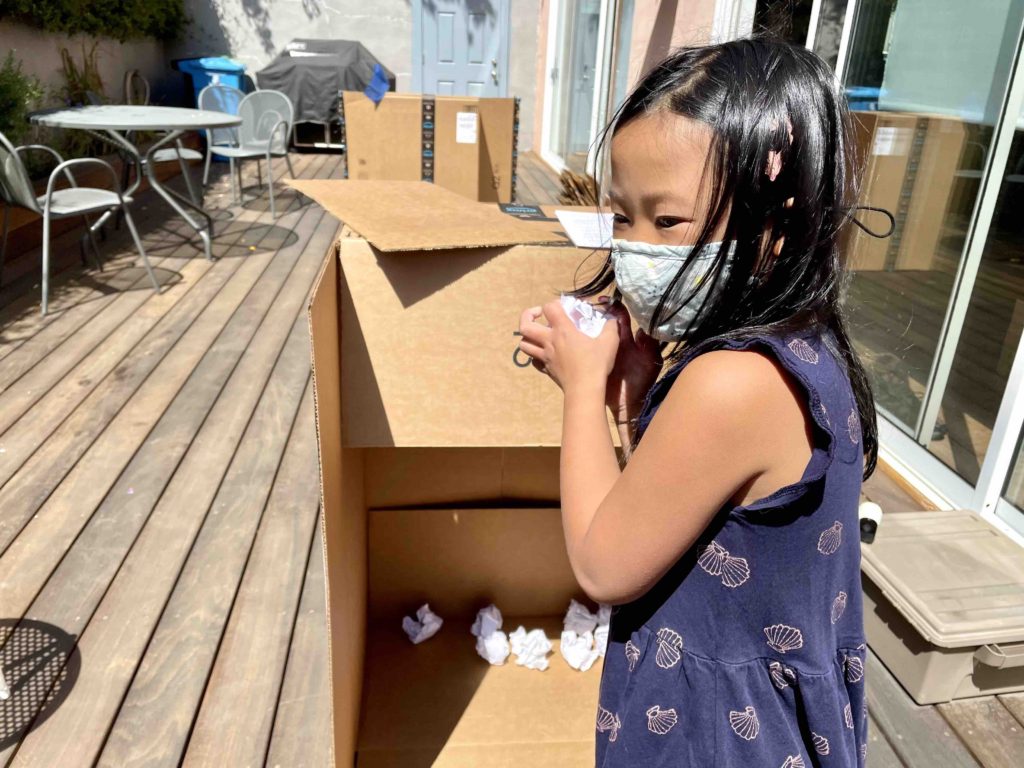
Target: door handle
[494, 76]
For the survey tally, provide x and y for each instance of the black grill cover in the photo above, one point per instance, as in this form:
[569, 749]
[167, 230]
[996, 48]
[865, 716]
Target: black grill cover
[312, 72]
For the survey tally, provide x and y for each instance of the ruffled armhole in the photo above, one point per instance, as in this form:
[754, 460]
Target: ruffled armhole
[815, 370]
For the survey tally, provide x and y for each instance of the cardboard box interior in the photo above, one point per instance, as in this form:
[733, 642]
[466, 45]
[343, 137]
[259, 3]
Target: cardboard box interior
[439, 472]
[392, 140]
[910, 164]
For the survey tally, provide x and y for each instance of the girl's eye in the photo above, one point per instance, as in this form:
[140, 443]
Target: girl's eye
[619, 220]
[667, 222]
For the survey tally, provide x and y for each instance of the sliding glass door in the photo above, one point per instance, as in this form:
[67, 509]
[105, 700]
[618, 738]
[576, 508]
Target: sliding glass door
[937, 309]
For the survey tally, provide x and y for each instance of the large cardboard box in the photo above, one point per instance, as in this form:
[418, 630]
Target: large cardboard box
[462, 143]
[910, 164]
[439, 471]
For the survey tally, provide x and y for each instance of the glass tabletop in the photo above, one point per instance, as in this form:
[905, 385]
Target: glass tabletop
[130, 117]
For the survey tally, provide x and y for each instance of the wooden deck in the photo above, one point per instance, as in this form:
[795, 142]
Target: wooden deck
[161, 574]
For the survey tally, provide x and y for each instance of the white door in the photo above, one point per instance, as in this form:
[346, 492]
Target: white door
[461, 47]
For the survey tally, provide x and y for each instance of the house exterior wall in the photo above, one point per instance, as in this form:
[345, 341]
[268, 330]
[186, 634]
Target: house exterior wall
[254, 33]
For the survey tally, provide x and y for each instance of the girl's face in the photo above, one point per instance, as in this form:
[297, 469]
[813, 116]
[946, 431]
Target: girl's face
[659, 193]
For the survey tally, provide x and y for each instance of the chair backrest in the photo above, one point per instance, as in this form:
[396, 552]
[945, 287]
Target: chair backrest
[221, 98]
[136, 87]
[15, 185]
[260, 112]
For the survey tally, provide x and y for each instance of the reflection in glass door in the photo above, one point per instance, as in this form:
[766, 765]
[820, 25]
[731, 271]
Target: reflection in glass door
[927, 80]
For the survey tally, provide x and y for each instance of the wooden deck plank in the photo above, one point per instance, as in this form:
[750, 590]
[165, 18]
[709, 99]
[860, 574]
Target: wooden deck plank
[104, 339]
[1014, 703]
[31, 337]
[880, 751]
[918, 735]
[71, 288]
[132, 399]
[124, 619]
[302, 736]
[168, 686]
[229, 729]
[988, 729]
[78, 383]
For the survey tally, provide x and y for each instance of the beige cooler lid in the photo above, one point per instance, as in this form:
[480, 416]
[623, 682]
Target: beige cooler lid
[955, 577]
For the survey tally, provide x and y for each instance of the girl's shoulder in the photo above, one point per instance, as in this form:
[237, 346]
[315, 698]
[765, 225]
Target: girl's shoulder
[805, 356]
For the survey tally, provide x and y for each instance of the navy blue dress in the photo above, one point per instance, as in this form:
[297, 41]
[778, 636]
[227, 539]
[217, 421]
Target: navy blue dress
[751, 651]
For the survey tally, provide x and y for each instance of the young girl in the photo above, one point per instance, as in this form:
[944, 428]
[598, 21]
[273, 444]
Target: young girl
[729, 542]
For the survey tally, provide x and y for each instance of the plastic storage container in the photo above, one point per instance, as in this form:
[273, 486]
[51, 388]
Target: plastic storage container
[208, 69]
[944, 605]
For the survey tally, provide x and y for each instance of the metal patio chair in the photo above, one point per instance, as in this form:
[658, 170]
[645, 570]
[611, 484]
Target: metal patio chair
[136, 91]
[16, 191]
[220, 98]
[267, 118]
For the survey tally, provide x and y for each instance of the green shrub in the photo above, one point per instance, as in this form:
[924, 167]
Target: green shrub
[119, 19]
[19, 94]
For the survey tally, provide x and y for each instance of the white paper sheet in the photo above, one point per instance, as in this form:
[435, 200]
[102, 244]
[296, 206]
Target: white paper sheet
[530, 648]
[584, 315]
[587, 229]
[465, 127]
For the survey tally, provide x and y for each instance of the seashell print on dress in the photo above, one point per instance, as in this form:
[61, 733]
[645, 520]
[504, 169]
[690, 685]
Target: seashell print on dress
[661, 721]
[784, 638]
[803, 351]
[853, 426]
[820, 743]
[670, 644]
[838, 606]
[632, 655]
[609, 723]
[848, 716]
[831, 538]
[794, 761]
[712, 558]
[854, 669]
[744, 724]
[715, 560]
[864, 751]
[782, 675]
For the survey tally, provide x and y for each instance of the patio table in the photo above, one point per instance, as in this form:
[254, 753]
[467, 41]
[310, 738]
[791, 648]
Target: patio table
[110, 123]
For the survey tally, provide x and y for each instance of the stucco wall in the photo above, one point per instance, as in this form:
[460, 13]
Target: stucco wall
[39, 53]
[254, 31]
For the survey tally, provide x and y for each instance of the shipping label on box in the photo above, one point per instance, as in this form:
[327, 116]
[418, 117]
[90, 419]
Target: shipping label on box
[465, 128]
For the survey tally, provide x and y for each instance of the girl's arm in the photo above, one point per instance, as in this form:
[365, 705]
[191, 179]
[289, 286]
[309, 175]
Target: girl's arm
[732, 421]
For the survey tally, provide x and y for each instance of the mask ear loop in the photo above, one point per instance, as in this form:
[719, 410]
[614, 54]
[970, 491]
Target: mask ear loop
[862, 225]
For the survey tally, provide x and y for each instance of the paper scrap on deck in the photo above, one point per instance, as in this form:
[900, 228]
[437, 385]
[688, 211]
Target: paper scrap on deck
[587, 229]
[424, 626]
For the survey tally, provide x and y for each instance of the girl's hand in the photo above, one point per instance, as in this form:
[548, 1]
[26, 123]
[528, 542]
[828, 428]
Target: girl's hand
[570, 357]
[636, 368]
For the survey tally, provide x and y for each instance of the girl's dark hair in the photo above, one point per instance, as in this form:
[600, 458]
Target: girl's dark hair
[758, 96]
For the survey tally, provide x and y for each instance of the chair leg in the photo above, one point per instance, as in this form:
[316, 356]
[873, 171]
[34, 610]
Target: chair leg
[270, 186]
[206, 167]
[238, 171]
[3, 241]
[259, 176]
[92, 241]
[138, 244]
[288, 159]
[46, 261]
[188, 178]
[231, 173]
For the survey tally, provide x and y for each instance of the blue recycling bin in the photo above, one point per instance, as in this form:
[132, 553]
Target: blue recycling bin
[208, 69]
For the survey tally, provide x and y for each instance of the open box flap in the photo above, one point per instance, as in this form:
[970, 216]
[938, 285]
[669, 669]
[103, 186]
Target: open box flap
[418, 216]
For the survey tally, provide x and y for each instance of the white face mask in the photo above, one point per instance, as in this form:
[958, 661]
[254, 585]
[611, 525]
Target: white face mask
[643, 273]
